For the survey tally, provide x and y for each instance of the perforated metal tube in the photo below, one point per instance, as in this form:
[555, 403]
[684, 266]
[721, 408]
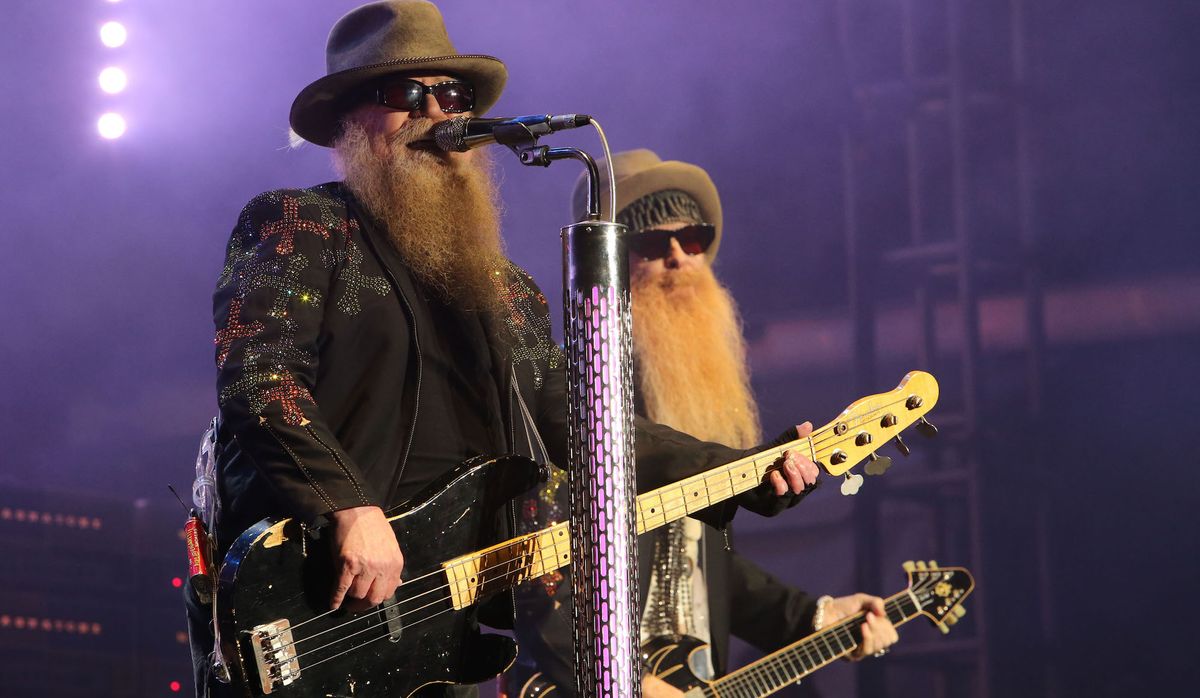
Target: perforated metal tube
[601, 473]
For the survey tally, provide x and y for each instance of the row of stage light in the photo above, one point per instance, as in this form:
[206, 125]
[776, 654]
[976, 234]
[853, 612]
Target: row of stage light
[113, 79]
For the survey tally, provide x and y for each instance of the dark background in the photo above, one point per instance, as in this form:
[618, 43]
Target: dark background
[113, 248]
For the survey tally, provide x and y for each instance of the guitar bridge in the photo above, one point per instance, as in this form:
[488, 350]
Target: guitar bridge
[275, 654]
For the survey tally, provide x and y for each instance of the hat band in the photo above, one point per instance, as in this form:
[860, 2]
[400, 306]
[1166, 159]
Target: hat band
[657, 208]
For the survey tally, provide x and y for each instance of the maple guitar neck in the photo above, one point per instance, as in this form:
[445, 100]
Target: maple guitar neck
[835, 448]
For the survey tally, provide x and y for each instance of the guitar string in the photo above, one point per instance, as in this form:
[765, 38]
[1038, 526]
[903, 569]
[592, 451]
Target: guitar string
[843, 625]
[810, 652]
[368, 628]
[679, 501]
[764, 671]
[806, 649]
[765, 668]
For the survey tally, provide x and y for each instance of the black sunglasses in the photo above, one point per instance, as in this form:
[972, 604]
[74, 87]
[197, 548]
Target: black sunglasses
[656, 243]
[453, 96]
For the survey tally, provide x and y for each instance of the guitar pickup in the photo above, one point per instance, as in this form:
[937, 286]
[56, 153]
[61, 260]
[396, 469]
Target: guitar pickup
[392, 616]
[275, 654]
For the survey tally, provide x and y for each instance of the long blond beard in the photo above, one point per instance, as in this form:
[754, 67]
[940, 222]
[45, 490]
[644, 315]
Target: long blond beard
[692, 357]
[441, 214]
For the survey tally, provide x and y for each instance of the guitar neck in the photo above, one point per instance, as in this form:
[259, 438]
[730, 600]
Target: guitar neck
[792, 663]
[675, 501]
[532, 555]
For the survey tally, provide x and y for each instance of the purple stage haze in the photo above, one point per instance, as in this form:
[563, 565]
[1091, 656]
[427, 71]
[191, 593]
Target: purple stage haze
[113, 248]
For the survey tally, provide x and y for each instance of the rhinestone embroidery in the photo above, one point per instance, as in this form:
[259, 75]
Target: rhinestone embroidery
[353, 279]
[265, 378]
[234, 330]
[287, 227]
[530, 328]
[285, 281]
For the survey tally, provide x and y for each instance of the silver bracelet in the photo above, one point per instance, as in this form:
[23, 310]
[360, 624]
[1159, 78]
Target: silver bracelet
[819, 614]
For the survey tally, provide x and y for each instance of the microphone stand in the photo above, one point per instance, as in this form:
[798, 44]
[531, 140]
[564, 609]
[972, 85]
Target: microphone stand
[599, 340]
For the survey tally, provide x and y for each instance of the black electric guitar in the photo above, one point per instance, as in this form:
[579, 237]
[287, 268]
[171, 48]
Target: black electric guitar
[934, 592]
[279, 637]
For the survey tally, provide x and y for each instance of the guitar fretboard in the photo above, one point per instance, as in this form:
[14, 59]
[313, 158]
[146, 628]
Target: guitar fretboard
[792, 663]
[529, 556]
[835, 447]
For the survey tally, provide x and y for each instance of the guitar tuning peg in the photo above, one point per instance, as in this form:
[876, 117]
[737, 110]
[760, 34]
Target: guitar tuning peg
[909, 566]
[926, 428]
[959, 611]
[921, 566]
[944, 628]
[851, 484]
[950, 619]
[933, 564]
[901, 446]
[877, 465]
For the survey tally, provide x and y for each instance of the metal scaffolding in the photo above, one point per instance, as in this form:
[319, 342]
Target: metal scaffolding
[940, 118]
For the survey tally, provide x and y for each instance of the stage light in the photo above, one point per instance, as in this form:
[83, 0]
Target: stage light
[111, 125]
[113, 80]
[176, 686]
[113, 34]
[176, 582]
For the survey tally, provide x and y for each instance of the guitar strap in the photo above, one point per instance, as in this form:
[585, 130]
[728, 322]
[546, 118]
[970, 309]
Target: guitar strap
[208, 503]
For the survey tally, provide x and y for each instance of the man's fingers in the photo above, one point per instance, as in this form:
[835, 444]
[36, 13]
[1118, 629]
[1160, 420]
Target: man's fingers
[361, 588]
[869, 644]
[803, 430]
[379, 591]
[799, 471]
[872, 603]
[344, 582]
[808, 471]
[778, 483]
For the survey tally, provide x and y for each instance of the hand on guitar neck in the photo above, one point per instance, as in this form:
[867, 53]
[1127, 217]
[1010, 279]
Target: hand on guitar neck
[878, 633]
[367, 558]
[798, 471]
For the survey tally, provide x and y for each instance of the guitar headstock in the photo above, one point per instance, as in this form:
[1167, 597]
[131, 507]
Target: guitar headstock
[873, 421]
[939, 591]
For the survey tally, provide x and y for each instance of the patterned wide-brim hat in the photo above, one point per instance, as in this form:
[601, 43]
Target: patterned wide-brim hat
[380, 39]
[641, 172]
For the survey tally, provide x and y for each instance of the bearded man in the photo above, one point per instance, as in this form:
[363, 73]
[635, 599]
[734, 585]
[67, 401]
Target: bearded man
[372, 334]
[691, 374]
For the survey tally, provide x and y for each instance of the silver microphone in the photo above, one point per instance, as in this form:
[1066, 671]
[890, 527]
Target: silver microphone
[461, 134]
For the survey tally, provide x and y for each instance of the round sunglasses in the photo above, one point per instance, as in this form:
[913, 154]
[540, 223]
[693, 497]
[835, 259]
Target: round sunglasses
[453, 96]
[655, 243]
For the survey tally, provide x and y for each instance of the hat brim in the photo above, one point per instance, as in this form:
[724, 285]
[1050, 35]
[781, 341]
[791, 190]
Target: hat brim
[673, 174]
[318, 110]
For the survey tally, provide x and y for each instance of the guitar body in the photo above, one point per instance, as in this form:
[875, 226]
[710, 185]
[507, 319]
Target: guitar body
[279, 637]
[671, 659]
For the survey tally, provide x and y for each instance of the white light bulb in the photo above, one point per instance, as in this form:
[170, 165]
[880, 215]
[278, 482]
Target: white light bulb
[113, 34]
[113, 80]
[111, 125]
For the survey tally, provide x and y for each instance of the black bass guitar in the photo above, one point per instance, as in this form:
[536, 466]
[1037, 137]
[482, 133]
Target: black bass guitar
[279, 637]
[934, 592]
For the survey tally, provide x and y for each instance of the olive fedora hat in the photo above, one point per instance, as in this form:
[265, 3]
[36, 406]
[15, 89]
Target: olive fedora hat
[642, 172]
[380, 39]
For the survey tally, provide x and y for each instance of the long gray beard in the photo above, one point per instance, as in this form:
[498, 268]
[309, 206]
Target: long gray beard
[441, 215]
